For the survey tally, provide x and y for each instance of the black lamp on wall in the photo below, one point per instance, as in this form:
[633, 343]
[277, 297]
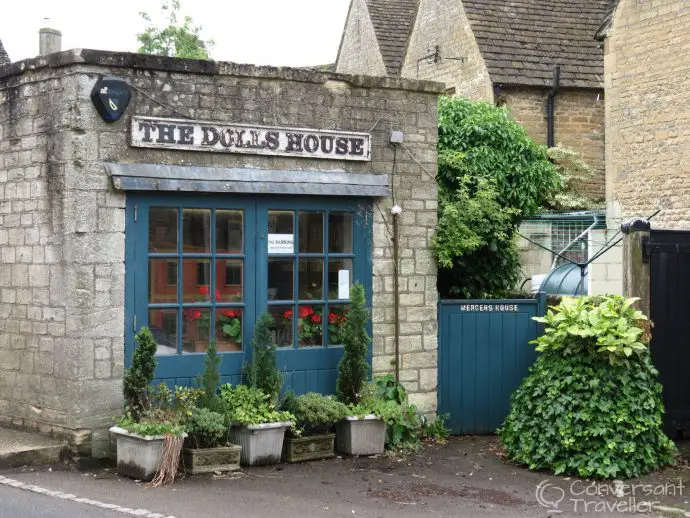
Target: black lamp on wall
[111, 95]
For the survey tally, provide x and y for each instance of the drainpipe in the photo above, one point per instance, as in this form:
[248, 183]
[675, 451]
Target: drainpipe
[550, 138]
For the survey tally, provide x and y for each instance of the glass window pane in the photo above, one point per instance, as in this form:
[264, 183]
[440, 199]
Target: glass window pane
[339, 279]
[196, 231]
[195, 330]
[340, 232]
[196, 280]
[281, 330]
[310, 279]
[280, 275]
[229, 231]
[163, 326]
[336, 318]
[162, 281]
[162, 230]
[311, 232]
[281, 232]
[229, 329]
[229, 275]
[310, 325]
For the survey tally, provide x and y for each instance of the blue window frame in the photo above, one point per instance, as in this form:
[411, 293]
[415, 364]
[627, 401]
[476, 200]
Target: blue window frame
[204, 267]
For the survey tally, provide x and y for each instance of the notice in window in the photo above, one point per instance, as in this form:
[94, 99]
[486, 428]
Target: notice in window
[343, 284]
[281, 243]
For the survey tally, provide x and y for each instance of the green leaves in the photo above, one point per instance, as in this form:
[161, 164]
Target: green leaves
[353, 368]
[250, 406]
[591, 405]
[490, 174]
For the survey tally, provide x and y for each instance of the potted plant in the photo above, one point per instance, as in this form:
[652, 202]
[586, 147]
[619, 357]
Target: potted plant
[150, 433]
[262, 372]
[255, 424]
[207, 448]
[362, 432]
[312, 436]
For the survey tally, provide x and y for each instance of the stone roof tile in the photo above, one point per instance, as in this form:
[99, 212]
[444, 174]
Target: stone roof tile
[393, 21]
[4, 58]
[522, 40]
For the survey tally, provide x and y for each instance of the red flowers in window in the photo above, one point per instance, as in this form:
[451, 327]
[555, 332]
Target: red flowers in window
[204, 290]
[305, 311]
[288, 314]
[316, 318]
[192, 314]
[230, 313]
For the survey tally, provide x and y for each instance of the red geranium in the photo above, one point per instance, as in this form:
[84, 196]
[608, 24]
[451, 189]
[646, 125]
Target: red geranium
[196, 314]
[204, 290]
[217, 294]
[316, 318]
[288, 314]
[230, 313]
[332, 318]
[305, 311]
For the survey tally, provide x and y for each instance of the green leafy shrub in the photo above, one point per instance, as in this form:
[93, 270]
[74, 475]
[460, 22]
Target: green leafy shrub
[262, 372]
[591, 405]
[167, 411]
[314, 413]
[353, 368]
[210, 379]
[138, 377]
[490, 174]
[247, 406]
[436, 430]
[207, 429]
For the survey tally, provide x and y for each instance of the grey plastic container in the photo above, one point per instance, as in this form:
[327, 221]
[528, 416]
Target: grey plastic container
[262, 444]
[138, 456]
[361, 435]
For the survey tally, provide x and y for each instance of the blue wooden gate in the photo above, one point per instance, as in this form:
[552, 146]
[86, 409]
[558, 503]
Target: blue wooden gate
[484, 353]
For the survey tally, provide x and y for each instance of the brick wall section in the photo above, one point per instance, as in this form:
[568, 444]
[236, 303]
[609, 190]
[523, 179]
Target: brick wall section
[444, 23]
[359, 49]
[62, 223]
[578, 124]
[647, 64]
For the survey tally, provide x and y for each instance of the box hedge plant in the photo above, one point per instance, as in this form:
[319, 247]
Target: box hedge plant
[314, 413]
[591, 405]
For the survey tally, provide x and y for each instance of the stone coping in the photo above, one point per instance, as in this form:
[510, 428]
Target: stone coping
[104, 58]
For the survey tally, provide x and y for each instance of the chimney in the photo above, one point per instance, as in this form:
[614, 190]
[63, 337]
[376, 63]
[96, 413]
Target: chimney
[49, 41]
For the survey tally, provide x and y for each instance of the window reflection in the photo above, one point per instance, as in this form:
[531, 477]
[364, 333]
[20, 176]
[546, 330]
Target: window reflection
[340, 233]
[163, 326]
[281, 330]
[162, 230]
[311, 232]
[196, 231]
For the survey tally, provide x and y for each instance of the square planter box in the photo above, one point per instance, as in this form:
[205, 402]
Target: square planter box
[262, 444]
[361, 436]
[313, 447]
[138, 457]
[208, 460]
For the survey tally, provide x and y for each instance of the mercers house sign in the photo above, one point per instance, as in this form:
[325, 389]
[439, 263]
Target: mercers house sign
[163, 133]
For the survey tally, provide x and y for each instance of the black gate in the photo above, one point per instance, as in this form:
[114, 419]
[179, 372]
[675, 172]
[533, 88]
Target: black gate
[668, 252]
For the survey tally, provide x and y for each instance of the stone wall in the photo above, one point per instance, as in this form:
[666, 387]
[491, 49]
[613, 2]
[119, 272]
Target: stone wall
[578, 124]
[605, 274]
[647, 64]
[445, 24]
[359, 48]
[62, 223]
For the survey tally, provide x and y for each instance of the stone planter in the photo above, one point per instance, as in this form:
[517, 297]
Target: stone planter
[208, 460]
[361, 436]
[138, 457]
[262, 444]
[313, 447]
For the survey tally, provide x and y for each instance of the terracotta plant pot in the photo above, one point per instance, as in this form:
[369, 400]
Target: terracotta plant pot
[207, 460]
[361, 436]
[313, 447]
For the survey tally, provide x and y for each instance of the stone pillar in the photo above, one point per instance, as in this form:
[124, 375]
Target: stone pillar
[635, 271]
[49, 41]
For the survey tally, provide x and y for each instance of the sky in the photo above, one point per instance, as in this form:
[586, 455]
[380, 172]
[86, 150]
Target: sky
[261, 32]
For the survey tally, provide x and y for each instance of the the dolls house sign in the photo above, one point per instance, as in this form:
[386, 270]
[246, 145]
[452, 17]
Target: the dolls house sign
[163, 133]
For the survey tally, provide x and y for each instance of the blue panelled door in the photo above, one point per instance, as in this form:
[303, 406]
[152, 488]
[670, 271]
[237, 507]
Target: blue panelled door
[203, 268]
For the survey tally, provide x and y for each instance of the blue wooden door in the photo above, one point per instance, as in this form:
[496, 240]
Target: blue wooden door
[202, 268]
[484, 354]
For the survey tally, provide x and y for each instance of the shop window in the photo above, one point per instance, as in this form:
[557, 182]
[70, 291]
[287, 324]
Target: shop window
[310, 272]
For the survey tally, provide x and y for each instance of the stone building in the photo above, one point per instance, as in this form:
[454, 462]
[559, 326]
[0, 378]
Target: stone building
[647, 65]
[501, 52]
[194, 228]
[4, 58]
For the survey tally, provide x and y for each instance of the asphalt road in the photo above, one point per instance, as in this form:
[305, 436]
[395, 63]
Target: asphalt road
[15, 503]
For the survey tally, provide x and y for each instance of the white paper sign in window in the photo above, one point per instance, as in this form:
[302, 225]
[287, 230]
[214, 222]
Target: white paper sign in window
[343, 284]
[281, 243]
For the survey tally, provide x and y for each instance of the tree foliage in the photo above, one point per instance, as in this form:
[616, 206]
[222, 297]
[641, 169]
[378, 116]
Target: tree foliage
[490, 174]
[262, 372]
[591, 405]
[574, 173]
[137, 378]
[210, 379]
[173, 39]
[353, 369]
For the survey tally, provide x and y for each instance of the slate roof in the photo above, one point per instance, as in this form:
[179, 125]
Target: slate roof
[602, 33]
[4, 58]
[522, 40]
[393, 21]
